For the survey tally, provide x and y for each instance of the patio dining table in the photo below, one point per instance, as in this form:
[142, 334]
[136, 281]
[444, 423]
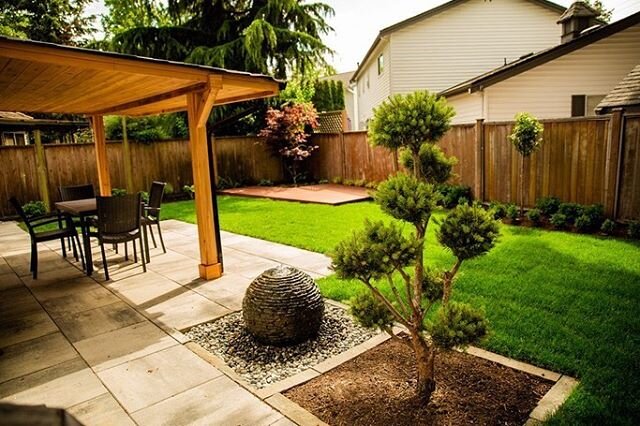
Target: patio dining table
[82, 209]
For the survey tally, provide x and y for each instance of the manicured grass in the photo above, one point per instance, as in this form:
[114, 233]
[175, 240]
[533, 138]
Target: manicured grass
[562, 301]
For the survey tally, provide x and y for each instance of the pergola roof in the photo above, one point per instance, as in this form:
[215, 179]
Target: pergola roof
[45, 77]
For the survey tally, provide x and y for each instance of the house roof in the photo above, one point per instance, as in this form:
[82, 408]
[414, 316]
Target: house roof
[427, 14]
[533, 60]
[10, 115]
[578, 9]
[344, 77]
[625, 94]
[46, 77]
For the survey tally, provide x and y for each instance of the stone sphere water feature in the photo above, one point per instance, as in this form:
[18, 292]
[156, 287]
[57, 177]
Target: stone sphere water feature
[283, 306]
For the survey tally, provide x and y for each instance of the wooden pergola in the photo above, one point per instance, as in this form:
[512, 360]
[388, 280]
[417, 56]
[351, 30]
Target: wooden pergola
[45, 77]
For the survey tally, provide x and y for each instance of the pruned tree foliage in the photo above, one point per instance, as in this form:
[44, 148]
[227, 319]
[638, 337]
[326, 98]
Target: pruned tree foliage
[383, 252]
[526, 137]
[287, 132]
[410, 121]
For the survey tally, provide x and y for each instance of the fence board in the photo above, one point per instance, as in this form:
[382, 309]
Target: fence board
[629, 200]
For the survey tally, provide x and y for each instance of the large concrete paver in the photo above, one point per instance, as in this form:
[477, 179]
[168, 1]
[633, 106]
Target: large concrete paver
[33, 355]
[82, 325]
[62, 392]
[125, 344]
[101, 410]
[145, 381]
[208, 404]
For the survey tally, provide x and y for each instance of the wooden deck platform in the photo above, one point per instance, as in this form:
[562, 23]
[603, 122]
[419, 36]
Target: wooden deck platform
[321, 194]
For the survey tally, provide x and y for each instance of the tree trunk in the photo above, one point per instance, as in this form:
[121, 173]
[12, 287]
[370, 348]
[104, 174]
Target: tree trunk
[417, 170]
[522, 186]
[425, 357]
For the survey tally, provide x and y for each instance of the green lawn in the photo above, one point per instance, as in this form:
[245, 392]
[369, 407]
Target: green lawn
[562, 301]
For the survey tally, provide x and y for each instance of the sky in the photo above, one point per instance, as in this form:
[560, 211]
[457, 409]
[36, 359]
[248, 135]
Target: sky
[357, 22]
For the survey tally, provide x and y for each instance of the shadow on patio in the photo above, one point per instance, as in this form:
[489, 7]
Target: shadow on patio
[110, 352]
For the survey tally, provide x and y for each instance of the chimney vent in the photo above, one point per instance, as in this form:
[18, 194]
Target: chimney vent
[578, 17]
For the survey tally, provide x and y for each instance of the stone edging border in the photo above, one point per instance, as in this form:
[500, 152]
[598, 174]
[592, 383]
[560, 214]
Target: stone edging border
[272, 394]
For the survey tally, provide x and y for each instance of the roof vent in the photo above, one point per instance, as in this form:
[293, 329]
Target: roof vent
[577, 18]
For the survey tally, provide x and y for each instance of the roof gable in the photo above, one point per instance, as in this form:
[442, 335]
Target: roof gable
[427, 14]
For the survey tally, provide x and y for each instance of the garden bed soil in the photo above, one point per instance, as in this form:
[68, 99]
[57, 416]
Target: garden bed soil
[377, 388]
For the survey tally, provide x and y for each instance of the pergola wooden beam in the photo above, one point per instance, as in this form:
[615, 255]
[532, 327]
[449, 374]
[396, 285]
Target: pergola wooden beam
[102, 162]
[114, 110]
[199, 106]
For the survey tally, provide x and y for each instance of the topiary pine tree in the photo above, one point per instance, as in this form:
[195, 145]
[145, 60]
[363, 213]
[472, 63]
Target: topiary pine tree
[526, 137]
[383, 252]
[409, 121]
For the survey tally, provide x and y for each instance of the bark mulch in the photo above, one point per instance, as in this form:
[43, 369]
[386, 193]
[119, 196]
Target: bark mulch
[377, 388]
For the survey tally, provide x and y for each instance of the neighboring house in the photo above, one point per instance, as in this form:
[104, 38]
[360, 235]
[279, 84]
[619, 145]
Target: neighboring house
[349, 96]
[567, 80]
[10, 136]
[450, 44]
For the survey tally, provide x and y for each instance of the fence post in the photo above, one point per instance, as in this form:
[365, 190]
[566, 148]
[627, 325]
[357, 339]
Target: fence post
[612, 166]
[479, 170]
[126, 157]
[41, 167]
[344, 156]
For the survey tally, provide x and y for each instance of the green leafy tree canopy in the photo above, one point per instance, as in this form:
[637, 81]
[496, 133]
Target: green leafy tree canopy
[53, 21]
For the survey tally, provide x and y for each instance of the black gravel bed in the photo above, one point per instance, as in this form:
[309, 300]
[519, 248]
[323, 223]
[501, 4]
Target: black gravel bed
[262, 365]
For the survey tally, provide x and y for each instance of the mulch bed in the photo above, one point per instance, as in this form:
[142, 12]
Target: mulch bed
[377, 388]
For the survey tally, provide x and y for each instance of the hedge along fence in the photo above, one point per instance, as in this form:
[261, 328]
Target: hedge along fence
[586, 160]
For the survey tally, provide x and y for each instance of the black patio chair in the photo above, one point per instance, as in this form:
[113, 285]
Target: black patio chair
[119, 220]
[34, 222]
[152, 211]
[76, 192]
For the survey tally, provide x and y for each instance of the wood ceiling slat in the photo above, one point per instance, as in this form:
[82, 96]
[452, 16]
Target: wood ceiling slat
[125, 91]
[32, 72]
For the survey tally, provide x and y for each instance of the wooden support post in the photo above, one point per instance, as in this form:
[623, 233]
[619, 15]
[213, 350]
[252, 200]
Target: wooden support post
[479, 160]
[126, 157]
[612, 164]
[102, 162]
[41, 166]
[199, 106]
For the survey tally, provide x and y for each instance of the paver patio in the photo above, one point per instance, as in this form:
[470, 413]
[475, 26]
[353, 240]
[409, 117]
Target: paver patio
[326, 193]
[111, 352]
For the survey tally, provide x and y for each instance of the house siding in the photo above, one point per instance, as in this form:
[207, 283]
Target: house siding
[468, 107]
[379, 87]
[545, 91]
[466, 40]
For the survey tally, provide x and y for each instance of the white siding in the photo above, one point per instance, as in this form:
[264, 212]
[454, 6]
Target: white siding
[468, 107]
[545, 91]
[467, 40]
[373, 88]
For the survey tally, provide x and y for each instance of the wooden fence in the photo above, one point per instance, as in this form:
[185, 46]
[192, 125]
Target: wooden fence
[587, 160]
[74, 164]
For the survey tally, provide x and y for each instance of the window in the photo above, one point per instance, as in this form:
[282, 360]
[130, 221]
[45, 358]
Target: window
[584, 105]
[380, 64]
[368, 82]
[14, 138]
